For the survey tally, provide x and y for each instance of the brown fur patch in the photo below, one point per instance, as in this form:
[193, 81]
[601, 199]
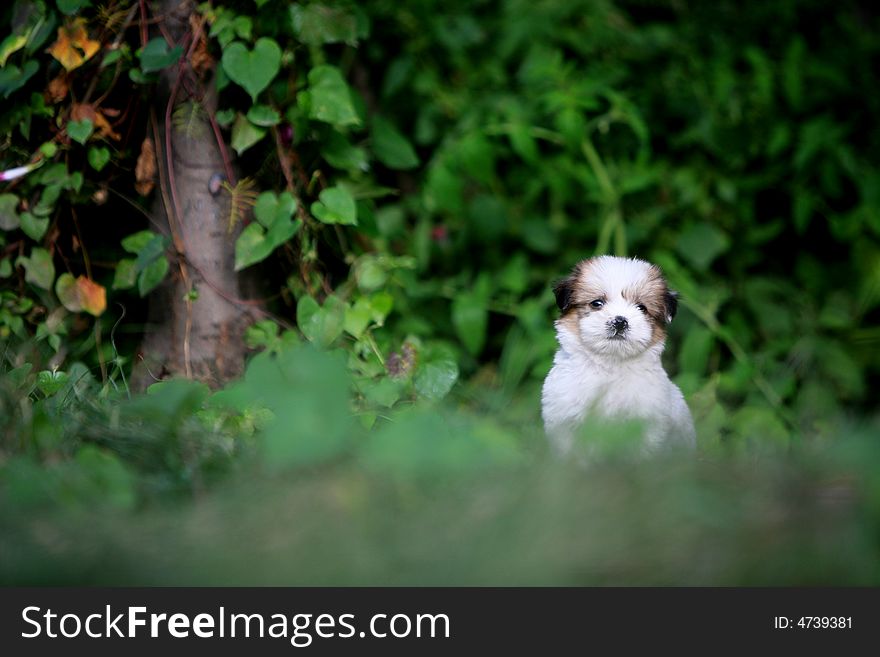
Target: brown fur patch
[583, 287]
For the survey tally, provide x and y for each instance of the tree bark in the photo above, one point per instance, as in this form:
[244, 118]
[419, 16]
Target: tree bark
[196, 318]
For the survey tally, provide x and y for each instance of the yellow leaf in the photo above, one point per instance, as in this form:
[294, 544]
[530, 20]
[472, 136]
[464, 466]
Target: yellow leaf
[73, 46]
[92, 296]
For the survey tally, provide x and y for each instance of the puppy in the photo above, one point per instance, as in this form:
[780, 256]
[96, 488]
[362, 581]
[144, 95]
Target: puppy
[611, 332]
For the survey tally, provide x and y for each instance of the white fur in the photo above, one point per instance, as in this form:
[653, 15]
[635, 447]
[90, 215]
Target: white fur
[594, 375]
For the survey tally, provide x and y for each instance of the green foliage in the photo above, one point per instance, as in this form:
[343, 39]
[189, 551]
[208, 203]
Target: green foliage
[429, 495]
[415, 176]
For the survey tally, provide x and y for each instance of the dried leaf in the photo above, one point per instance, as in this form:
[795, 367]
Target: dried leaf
[201, 59]
[81, 294]
[73, 47]
[145, 170]
[80, 111]
[93, 296]
[57, 89]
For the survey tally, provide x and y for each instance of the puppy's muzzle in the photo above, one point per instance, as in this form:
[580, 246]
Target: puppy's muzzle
[618, 326]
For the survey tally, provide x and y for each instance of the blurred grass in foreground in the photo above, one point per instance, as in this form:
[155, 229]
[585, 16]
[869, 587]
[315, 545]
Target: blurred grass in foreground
[273, 481]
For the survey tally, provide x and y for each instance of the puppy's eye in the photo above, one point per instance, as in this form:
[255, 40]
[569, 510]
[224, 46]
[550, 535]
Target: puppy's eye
[598, 303]
[641, 307]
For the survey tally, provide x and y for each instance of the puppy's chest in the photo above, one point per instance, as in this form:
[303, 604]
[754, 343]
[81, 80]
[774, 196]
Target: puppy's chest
[616, 394]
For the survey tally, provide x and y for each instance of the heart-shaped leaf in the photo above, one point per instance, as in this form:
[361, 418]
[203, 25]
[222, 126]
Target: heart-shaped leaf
[50, 382]
[321, 325]
[156, 55]
[33, 226]
[126, 274]
[80, 131]
[435, 380]
[271, 208]
[137, 241]
[335, 206]
[13, 78]
[8, 212]
[152, 275]
[245, 134]
[92, 295]
[38, 268]
[252, 70]
[68, 295]
[328, 97]
[255, 243]
[99, 156]
[73, 46]
[263, 115]
[357, 317]
[81, 294]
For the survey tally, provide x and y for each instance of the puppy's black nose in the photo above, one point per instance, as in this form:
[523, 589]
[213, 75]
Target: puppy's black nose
[619, 324]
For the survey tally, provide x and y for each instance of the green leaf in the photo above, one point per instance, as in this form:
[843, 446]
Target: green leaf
[48, 149]
[384, 392]
[263, 115]
[245, 134]
[252, 70]
[225, 117]
[106, 478]
[39, 268]
[9, 219]
[126, 274]
[434, 380]
[390, 147]
[46, 205]
[342, 155]
[150, 252]
[255, 243]
[243, 26]
[701, 243]
[695, 350]
[152, 275]
[335, 206]
[261, 334]
[135, 242]
[249, 246]
[358, 317]
[328, 97]
[80, 131]
[470, 317]
[11, 44]
[370, 273]
[321, 325]
[50, 382]
[5, 268]
[271, 208]
[33, 226]
[13, 78]
[113, 56]
[68, 293]
[70, 7]
[308, 393]
[316, 24]
[381, 304]
[156, 55]
[98, 157]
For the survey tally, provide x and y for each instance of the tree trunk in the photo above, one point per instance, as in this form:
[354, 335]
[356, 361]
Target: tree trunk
[196, 319]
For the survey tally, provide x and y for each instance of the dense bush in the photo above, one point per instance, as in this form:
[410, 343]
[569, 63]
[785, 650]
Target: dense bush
[414, 177]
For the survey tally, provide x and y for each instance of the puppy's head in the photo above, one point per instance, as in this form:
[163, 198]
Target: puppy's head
[616, 307]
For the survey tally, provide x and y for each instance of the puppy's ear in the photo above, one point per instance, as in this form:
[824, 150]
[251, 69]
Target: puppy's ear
[671, 300]
[564, 291]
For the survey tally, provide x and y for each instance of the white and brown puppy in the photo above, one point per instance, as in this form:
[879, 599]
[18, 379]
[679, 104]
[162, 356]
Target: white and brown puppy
[611, 333]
